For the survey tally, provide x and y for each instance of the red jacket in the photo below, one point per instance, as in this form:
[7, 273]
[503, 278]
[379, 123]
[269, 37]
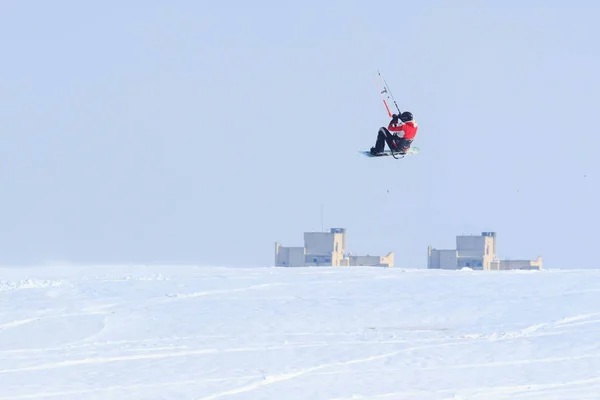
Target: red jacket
[409, 128]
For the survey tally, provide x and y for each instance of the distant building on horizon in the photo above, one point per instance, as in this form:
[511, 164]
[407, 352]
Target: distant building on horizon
[478, 253]
[326, 249]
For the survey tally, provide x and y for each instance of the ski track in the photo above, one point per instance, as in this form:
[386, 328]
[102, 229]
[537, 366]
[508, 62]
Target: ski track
[218, 292]
[575, 324]
[507, 392]
[511, 390]
[16, 323]
[103, 360]
[484, 392]
[13, 324]
[254, 287]
[128, 387]
[515, 362]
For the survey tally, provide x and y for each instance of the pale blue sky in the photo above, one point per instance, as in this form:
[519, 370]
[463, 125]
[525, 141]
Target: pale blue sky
[202, 132]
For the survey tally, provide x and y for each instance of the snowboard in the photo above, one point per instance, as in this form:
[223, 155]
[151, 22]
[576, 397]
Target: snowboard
[387, 153]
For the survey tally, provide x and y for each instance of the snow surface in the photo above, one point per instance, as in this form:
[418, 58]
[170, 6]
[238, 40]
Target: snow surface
[173, 332]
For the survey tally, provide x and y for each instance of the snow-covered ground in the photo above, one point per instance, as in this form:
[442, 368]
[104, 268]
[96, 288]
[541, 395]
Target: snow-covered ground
[177, 332]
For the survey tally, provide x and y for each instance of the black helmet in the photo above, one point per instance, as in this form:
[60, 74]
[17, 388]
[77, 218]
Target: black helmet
[406, 116]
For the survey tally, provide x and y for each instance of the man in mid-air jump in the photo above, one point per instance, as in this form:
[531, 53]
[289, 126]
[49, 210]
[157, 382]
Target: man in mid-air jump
[398, 143]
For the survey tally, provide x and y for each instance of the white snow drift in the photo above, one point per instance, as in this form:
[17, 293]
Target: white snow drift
[297, 334]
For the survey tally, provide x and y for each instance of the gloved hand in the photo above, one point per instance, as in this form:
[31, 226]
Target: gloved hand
[394, 118]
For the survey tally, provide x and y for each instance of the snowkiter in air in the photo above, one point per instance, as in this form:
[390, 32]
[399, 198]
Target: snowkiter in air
[404, 133]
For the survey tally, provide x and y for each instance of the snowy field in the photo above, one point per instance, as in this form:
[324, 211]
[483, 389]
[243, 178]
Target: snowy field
[297, 334]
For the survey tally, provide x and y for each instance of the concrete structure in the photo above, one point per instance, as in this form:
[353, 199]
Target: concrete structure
[476, 252]
[442, 259]
[386, 261]
[503, 265]
[326, 249]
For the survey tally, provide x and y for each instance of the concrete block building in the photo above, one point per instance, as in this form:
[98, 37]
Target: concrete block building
[326, 249]
[504, 265]
[386, 261]
[476, 252]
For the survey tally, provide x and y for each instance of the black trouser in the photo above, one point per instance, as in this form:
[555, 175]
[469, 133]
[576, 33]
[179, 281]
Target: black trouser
[395, 143]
